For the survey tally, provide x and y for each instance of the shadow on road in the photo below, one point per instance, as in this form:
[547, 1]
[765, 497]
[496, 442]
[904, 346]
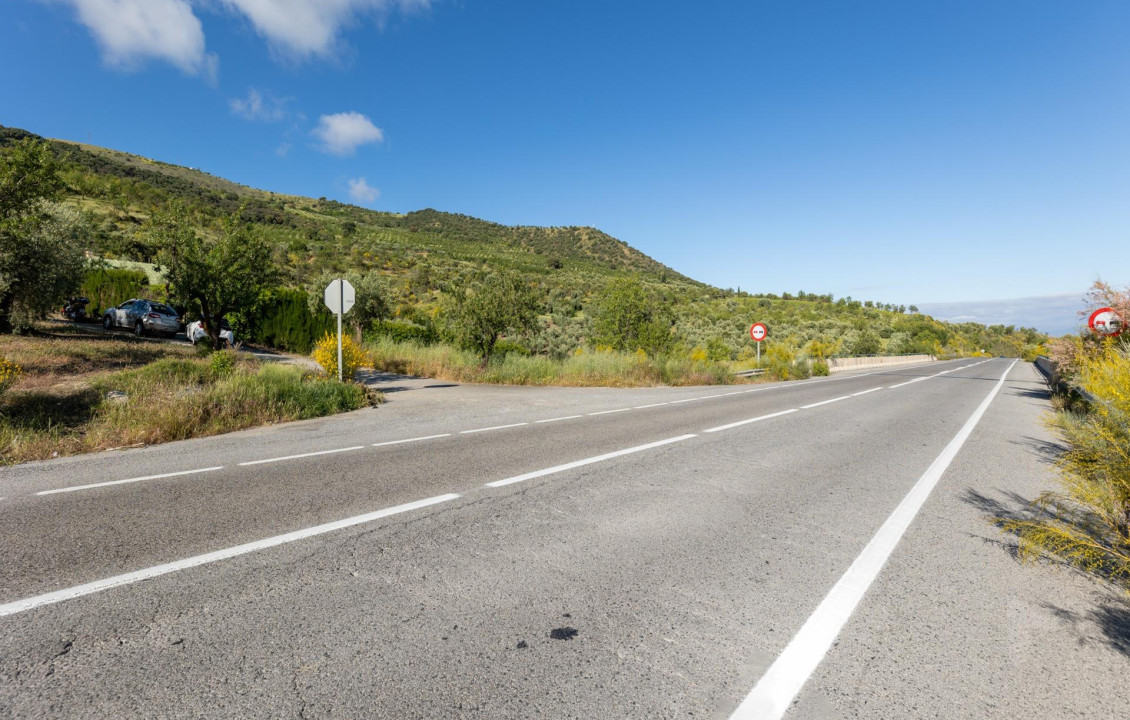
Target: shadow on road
[1112, 615]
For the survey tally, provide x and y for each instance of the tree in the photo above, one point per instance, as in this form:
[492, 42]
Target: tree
[503, 303]
[217, 274]
[41, 259]
[369, 304]
[628, 319]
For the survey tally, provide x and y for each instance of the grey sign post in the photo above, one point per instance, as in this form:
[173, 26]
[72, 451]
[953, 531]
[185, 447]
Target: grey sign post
[339, 297]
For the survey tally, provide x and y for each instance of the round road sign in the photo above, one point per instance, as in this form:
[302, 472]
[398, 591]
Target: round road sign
[758, 332]
[1105, 321]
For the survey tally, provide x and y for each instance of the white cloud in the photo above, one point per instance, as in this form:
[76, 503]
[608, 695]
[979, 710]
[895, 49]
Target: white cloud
[310, 27]
[362, 192]
[259, 105]
[132, 31]
[283, 149]
[342, 133]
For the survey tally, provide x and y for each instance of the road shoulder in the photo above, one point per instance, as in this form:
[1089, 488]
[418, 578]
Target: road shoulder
[955, 626]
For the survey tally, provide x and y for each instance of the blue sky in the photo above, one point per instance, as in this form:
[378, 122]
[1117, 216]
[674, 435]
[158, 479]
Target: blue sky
[904, 151]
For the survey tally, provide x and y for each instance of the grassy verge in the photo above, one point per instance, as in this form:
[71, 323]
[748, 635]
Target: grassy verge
[597, 368]
[82, 395]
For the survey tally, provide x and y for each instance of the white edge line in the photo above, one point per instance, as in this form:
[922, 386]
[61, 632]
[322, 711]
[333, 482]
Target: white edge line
[567, 417]
[675, 402]
[130, 480]
[609, 412]
[303, 455]
[487, 429]
[197, 560]
[751, 420]
[642, 407]
[586, 461]
[778, 687]
[867, 391]
[411, 440]
[824, 402]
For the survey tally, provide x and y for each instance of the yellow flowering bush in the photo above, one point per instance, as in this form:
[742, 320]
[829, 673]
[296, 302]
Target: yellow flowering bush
[352, 356]
[1087, 523]
[9, 373]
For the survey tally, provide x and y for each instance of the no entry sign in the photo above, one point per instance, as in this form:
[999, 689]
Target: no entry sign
[758, 332]
[1106, 322]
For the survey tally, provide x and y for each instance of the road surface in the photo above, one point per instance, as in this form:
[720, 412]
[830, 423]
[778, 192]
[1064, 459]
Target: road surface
[816, 549]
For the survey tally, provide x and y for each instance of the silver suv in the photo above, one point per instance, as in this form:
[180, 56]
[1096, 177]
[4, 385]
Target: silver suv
[143, 316]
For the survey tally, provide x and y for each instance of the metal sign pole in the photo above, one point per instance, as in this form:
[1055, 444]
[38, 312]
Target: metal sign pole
[341, 304]
[758, 354]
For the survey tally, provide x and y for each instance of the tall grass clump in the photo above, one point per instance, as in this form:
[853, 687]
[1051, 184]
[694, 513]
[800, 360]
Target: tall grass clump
[174, 398]
[9, 374]
[1086, 523]
[600, 367]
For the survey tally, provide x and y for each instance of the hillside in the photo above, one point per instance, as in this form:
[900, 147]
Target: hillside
[424, 254]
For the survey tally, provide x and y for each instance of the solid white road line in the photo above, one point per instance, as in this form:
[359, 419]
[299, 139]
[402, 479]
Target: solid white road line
[411, 440]
[867, 391]
[130, 480]
[567, 417]
[779, 686]
[676, 402]
[303, 455]
[824, 402]
[642, 407]
[152, 572]
[609, 412]
[751, 420]
[488, 429]
[586, 461]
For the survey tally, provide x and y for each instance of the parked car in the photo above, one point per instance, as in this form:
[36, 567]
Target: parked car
[196, 332]
[143, 316]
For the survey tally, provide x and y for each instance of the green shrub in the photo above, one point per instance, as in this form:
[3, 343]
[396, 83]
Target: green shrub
[283, 320]
[399, 331]
[820, 368]
[110, 287]
[222, 363]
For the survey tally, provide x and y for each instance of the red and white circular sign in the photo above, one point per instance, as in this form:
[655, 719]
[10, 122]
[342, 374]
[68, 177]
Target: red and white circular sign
[1105, 321]
[758, 332]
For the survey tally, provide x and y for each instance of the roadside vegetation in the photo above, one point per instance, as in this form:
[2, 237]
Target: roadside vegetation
[431, 274]
[77, 394]
[1086, 521]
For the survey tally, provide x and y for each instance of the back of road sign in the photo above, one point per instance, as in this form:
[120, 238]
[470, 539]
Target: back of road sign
[340, 296]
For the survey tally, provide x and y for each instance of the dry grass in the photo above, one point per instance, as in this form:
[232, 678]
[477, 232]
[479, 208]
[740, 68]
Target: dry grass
[83, 394]
[588, 369]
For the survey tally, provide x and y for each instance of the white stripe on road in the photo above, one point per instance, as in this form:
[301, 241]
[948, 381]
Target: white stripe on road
[609, 412]
[303, 455]
[411, 440]
[158, 570]
[567, 417]
[909, 382]
[130, 480]
[675, 402]
[867, 391]
[824, 402]
[779, 686]
[751, 420]
[488, 429]
[586, 461]
[641, 407]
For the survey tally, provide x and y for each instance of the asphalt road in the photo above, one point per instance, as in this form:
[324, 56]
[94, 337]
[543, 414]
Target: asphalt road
[816, 549]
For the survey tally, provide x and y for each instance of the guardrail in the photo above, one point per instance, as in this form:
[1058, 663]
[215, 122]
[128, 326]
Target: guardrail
[1044, 366]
